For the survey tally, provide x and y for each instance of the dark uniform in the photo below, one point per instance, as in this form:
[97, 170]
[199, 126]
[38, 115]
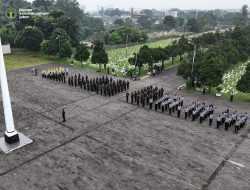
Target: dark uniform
[210, 119]
[63, 115]
[179, 112]
[150, 103]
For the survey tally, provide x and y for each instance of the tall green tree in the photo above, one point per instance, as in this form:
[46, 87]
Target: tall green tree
[244, 83]
[8, 35]
[172, 51]
[244, 13]
[45, 24]
[137, 61]
[65, 49]
[193, 25]
[211, 68]
[71, 27]
[160, 55]
[70, 8]
[146, 22]
[169, 22]
[125, 34]
[82, 53]
[99, 55]
[87, 24]
[43, 4]
[183, 46]
[146, 56]
[30, 38]
[58, 38]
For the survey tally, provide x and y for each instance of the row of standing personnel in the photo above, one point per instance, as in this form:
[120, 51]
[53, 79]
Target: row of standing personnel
[153, 96]
[229, 119]
[150, 96]
[145, 96]
[105, 86]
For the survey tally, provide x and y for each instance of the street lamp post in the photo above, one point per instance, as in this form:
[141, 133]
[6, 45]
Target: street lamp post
[59, 44]
[12, 139]
[127, 46]
[193, 62]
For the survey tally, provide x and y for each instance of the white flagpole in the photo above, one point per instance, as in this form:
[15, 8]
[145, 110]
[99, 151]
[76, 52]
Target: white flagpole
[9, 122]
[12, 139]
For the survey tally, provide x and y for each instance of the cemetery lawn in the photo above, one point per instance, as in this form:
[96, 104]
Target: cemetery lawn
[118, 58]
[230, 81]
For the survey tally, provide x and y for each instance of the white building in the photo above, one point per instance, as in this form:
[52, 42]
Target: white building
[6, 49]
[173, 13]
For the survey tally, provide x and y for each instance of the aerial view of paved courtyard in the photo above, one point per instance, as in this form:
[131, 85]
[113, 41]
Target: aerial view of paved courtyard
[107, 143]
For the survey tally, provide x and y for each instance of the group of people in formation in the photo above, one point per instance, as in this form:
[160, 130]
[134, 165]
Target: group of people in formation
[150, 96]
[105, 86]
[229, 119]
[57, 74]
[145, 96]
[156, 99]
[199, 110]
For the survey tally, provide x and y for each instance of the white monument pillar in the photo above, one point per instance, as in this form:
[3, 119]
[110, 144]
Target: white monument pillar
[12, 139]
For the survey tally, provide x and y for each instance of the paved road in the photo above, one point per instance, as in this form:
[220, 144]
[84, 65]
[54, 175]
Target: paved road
[109, 144]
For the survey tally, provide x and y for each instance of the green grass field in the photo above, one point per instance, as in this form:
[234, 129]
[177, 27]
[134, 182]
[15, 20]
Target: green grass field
[22, 59]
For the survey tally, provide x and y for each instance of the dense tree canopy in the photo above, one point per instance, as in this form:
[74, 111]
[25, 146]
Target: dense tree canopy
[65, 14]
[43, 4]
[30, 38]
[216, 53]
[244, 83]
[145, 22]
[99, 55]
[169, 22]
[210, 69]
[124, 35]
[59, 39]
[65, 49]
[82, 53]
[8, 35]
[245, 15]
[193, 25]
[70, 26]
[46, 25]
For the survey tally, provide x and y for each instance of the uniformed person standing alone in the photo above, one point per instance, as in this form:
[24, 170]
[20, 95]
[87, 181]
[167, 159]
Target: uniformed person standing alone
[232, 97]
[63, 115]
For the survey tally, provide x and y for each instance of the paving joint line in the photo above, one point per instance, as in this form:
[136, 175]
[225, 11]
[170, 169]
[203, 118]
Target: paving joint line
[168, 173]
[91, 109]
[64, 143]
[213, 176]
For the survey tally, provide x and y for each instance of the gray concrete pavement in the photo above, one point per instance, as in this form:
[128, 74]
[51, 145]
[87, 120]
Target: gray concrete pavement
[109, 144]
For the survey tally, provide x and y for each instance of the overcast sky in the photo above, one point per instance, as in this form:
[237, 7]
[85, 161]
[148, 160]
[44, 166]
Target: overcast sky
[164, 4]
